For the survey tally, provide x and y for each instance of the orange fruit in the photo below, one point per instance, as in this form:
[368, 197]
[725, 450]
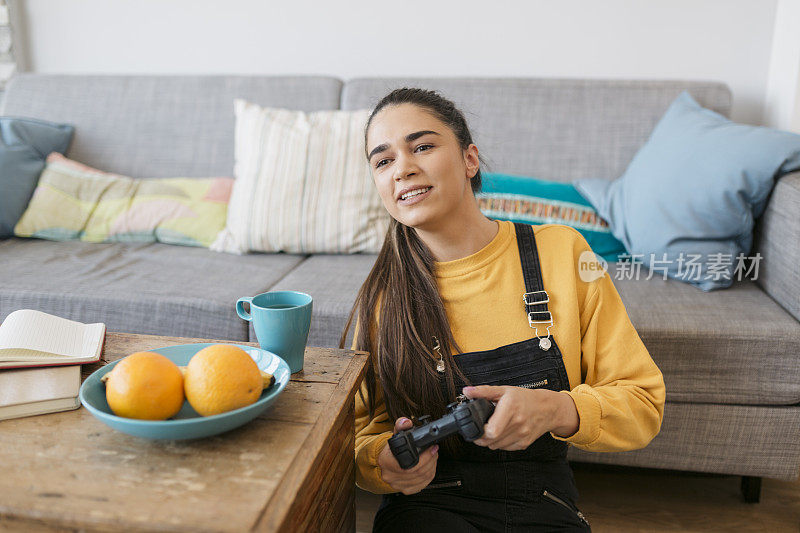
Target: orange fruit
[145, 385]
[220, 378]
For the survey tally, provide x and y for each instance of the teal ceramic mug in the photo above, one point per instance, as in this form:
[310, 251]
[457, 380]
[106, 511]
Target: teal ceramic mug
[281, 320]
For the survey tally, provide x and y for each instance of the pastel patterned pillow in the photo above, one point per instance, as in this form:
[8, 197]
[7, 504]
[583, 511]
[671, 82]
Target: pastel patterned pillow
[76, 202]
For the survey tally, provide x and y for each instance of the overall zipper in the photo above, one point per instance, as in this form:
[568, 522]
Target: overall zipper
[533, 385]
[556, 499]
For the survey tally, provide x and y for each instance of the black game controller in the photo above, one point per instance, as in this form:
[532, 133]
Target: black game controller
[465, 418]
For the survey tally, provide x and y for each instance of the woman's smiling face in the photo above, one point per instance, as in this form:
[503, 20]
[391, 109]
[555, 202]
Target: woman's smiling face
[408, 149]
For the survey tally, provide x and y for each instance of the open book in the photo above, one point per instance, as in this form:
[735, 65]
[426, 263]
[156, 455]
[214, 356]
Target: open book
[33, 338]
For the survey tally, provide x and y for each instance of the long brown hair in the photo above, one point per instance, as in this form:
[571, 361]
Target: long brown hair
[411, 310]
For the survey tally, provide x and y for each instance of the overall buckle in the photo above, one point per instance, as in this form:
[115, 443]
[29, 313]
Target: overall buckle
[543, 301]
[544, 342]
[539, 297]
[532, 321]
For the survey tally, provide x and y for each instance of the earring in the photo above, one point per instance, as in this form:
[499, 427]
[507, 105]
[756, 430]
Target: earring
[440, 362]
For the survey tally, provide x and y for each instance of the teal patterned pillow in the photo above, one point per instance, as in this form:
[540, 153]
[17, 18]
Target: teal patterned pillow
[537, 201]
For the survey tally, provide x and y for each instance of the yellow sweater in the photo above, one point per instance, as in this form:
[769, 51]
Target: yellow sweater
[617, 388]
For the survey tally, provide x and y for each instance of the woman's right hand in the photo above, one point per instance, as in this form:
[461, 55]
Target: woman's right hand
[414, 479]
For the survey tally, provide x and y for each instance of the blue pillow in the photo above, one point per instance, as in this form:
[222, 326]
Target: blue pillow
[693, 191]
[537, 201]
[24, 145]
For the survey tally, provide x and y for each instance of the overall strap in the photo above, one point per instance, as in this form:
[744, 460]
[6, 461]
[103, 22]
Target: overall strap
[535, 296]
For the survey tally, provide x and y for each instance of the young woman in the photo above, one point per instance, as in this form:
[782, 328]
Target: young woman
[456, 299]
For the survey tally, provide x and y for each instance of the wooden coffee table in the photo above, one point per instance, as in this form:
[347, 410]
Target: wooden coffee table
[291, 469]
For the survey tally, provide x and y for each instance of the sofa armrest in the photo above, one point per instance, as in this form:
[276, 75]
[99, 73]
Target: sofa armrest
[777, 238]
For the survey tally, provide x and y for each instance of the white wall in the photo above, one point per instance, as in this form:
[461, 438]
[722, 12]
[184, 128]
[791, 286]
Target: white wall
[782, 104]
[726, 40]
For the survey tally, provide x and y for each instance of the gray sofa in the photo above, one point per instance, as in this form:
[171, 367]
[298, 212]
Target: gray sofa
[730, 358]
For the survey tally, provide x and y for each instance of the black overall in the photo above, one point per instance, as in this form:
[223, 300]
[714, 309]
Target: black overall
[480, 489]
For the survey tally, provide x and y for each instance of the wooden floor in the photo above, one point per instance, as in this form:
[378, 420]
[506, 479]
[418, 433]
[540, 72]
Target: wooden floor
[617, 498]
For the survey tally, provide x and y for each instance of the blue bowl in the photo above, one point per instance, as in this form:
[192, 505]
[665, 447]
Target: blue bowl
[187, 424]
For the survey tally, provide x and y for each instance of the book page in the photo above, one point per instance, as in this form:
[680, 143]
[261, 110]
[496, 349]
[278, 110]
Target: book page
[39, 408]
[93, 336]
[26, 331]
[27, 385]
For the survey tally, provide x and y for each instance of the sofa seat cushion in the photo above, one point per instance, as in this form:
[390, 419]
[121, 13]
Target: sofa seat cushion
[148, 288]
[699, 340]
[702, 341]
[333, 281]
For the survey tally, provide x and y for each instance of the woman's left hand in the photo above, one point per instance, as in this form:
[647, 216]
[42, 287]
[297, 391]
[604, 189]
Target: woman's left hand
[523, 415]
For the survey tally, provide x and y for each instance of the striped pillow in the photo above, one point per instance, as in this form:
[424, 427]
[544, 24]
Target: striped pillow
[303, 184]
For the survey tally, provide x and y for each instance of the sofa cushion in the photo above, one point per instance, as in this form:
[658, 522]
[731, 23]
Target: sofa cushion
[550, 128]
[149, 288]
[702, 341]
[699, 340]
[333, 281]
[154, 125]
